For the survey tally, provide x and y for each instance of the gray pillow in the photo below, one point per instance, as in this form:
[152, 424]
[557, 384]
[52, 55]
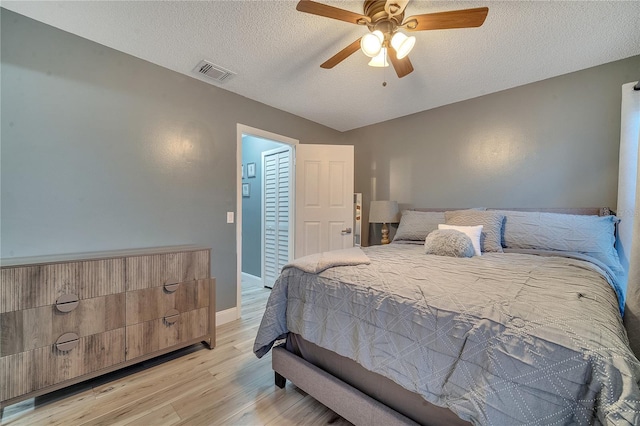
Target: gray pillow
[590, 235]
[491, 221]
[448, 242]
[415, 225]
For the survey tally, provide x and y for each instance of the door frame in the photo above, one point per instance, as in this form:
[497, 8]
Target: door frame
[242, 129]
[292, 206]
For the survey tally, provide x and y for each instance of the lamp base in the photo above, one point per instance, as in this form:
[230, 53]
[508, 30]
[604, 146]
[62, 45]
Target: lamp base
[385, 234]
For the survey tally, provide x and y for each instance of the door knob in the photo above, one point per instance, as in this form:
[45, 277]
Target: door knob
[346, 231]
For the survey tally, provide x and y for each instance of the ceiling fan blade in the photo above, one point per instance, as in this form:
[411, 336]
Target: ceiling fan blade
[325, 10]
[466, 18]
[341, 55]
[402, 66]
[395, 7]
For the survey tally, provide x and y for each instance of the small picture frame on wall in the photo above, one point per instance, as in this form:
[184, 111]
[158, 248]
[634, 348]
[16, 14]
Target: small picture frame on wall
[251, 170]
[246, 190]
[243, 171]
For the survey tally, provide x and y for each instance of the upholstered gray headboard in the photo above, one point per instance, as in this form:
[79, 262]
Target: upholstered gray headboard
[594, 211]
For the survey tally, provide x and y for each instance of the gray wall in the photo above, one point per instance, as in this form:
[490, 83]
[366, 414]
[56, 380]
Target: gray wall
[252, 148]
[101, 150]
[553, 143]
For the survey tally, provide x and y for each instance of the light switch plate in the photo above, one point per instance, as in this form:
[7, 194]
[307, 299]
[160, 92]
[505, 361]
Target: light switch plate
[229, 217]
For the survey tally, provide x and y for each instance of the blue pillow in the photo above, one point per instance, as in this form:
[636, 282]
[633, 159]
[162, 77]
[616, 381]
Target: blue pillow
[590, 235]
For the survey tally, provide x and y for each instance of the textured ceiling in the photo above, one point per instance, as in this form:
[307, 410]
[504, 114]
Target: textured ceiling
[276, 51]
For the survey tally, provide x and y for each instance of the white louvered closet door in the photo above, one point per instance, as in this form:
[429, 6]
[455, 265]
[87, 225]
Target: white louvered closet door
[276, 210]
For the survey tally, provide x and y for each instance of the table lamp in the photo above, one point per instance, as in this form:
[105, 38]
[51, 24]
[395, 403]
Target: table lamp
[384, 212]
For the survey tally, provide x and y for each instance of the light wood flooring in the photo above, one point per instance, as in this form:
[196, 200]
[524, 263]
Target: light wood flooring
[194, 386]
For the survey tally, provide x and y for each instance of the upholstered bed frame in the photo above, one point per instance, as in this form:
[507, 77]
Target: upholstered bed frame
[348, 401]
[344, 399]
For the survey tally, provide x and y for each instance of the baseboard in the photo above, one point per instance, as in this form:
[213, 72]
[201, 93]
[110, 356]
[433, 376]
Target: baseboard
[252, 280]
[228, 315]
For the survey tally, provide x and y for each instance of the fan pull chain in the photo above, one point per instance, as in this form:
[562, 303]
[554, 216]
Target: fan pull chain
[384, 69]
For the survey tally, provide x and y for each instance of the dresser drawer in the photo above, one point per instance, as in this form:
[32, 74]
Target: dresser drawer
[150, 336]
[153, 303]
[36, 369]
[159, 269]
[24, 287]
[22, 331]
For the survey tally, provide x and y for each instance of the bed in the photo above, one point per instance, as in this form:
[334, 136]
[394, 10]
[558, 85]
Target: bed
[529, 332]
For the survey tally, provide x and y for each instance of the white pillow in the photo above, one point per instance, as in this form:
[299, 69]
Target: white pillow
[472, 232]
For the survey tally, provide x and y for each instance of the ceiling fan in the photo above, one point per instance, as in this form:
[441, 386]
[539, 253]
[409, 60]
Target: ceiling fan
[384, 19]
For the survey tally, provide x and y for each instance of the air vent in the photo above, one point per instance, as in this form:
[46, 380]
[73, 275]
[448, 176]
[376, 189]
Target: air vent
[212, 71]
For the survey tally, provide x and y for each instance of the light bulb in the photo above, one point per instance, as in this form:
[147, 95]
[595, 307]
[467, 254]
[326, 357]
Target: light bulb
[380, 60]
[372, 43]
[402, 44]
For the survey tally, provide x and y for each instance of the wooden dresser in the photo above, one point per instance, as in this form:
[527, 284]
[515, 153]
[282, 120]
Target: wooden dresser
[65, 319]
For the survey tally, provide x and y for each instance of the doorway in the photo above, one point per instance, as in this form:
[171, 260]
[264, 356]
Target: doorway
[251, 144]
[266, 209]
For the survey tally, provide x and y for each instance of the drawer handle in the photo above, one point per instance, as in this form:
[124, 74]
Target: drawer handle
[172, 316]
[170, 287]
[67, 302]
[67, 341]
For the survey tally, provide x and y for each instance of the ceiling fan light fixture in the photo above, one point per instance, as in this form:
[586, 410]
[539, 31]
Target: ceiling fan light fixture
[402, 44]
[371, 44]
[380, 60]
[385, 17]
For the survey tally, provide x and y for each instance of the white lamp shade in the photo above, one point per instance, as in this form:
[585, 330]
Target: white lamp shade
[384, 212]
[380, 60]
[371, 44]
[402, 44]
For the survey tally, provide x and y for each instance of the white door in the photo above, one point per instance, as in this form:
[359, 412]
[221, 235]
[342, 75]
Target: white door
[324, 198]
[276, 211]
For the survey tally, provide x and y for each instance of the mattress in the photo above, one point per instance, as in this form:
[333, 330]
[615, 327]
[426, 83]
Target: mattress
[504, 338]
